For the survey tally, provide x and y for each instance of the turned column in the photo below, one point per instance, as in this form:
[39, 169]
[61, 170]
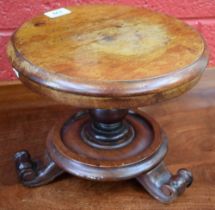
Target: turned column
[108, 129]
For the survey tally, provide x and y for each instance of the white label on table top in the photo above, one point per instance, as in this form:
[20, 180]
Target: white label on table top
[57, 13]
[16, 72]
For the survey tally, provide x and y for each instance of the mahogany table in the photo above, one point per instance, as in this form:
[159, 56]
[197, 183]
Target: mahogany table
[107, 60]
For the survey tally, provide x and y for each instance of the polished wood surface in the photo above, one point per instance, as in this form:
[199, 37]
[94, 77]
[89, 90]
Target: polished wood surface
[86, 101]
[99, 53]
[188, 121]
[108, 43]
[67, 145]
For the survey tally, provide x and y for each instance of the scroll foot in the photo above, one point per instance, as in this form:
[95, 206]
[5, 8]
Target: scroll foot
[164, 186]
[31, 174]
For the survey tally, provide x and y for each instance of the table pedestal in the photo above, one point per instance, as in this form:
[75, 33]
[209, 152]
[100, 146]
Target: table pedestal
[107, 145]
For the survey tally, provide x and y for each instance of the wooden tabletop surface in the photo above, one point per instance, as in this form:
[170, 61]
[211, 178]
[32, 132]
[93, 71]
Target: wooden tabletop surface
[91, 41]
[189, 121]
[108, 50]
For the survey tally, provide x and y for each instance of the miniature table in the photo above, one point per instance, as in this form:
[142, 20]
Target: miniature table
[107, 60]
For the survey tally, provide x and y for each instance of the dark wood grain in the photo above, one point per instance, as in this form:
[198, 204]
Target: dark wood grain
[188, 121]
[69, 149]
[105, 56]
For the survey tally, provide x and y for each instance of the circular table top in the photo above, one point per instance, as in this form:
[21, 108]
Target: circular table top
[108, 51]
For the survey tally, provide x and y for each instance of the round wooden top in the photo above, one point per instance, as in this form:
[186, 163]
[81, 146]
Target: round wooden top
[108, 51]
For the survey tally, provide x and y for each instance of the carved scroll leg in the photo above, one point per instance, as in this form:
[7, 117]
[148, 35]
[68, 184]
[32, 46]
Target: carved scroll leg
[31, 174]
[164, 186]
